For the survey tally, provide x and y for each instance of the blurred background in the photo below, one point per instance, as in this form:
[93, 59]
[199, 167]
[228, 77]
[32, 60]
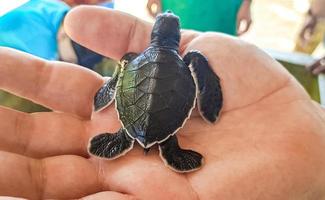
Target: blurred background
[286, 29]
[276, 24]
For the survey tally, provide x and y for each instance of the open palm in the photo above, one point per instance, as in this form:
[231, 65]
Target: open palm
[269, 142]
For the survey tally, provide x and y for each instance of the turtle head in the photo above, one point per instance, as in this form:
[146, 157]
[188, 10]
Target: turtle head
[166, 31]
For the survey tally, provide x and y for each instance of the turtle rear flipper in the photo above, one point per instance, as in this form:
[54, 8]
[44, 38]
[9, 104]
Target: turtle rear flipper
[208, 85]
[110, 146]
[180, 160]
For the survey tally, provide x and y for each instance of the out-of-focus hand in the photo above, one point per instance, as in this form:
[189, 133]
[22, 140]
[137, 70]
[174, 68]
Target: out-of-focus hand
[317, 67]
[268, 144]
[308, 28]
[244, 19]
[154, 7]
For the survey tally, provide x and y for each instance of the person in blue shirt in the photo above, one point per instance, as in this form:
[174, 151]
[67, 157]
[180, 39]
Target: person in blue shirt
[33, 27]
[36, 28]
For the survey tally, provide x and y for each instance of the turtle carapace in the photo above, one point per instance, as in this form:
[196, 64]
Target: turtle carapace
[155, 92]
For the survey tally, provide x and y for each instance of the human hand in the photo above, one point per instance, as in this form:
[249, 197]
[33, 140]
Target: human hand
[244, 19]
[317, 67]
[268, 144]
[154, 7]
[308, 28]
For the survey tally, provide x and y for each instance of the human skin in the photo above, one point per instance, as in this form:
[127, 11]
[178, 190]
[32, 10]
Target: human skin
[318, 8]
[268, 144]
[244, 18]
[316, 12]
[317, 67]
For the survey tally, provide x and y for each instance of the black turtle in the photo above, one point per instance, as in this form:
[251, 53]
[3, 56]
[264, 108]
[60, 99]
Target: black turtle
[155, 93]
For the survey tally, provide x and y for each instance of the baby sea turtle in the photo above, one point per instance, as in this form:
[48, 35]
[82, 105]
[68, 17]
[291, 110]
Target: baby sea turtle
[155, 93]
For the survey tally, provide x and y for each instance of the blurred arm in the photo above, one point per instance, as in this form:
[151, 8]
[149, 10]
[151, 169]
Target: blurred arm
[318, 8]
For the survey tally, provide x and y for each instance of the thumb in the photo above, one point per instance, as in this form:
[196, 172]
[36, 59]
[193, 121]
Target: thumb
[109, 195]
[243, 26]
[154, 7]
[305, 33]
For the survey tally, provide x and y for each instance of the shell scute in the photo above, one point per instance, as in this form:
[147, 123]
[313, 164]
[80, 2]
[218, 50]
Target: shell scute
[156, 95]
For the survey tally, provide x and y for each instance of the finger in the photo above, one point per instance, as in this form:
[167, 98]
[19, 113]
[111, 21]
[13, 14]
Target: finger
[307, 32]
[319, 69]
[303, 33]
[41, 134]
[56, 85]
[248, 25]
[109, 195]
[158, 8]
[108, 32]
[46, 134]
[313, 66]
[240, 27]
[150, 10]
[116, 32]
[243, 26]
[55, 177]
[317, 66]
[312, 27]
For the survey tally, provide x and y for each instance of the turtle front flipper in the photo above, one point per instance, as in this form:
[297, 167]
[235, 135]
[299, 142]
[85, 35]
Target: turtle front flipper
[208, 85]
[110, 146]
[105, 95]
[180, 160]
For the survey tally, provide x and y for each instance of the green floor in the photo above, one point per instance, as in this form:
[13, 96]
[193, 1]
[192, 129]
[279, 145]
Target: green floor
[295, 63]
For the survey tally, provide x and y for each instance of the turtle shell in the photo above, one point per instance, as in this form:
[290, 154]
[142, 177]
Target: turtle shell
[155, 95]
